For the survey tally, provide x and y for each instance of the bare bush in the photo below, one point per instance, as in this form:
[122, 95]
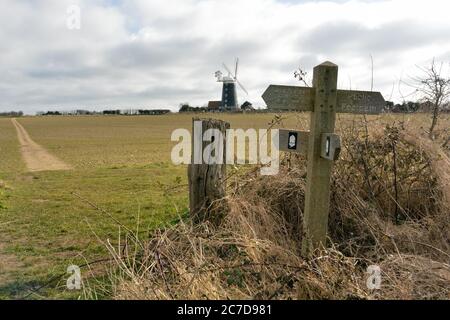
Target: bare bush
[434, 88]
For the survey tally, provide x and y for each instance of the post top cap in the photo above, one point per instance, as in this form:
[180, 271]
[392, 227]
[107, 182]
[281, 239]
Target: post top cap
[327, 64]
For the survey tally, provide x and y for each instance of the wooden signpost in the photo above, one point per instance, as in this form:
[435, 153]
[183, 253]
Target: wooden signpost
[324, 100]
[302, 99]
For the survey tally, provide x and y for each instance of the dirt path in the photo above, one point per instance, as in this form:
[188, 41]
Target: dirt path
[35, 156]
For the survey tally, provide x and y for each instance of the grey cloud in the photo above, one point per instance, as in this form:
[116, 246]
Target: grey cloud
[144, 54]
[64, 73]
[444, 57]
[349, 38]
[305, 61]
[170, 92]
[194, 52]
[66, 64]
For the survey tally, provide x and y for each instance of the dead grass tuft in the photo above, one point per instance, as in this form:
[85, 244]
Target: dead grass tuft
[387, 209]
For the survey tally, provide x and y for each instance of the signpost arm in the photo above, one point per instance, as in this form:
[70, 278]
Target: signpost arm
[315, 220]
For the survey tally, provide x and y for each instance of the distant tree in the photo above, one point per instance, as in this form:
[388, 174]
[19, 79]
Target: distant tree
[389, 106]
[185, 107]
[434, 89]
[52, 113]
[11, 114]
[412, 106]
[248, 106]
[109, 112]
[405, 107]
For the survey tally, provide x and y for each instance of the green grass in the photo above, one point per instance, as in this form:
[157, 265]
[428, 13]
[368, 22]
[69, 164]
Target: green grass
[49, 227]
[46, 226]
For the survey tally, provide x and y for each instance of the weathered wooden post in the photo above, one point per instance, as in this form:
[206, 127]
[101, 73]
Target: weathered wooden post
[320, 145]
[317, 197]
[207, 171]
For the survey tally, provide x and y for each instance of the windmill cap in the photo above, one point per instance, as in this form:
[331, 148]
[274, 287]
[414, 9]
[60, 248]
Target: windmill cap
[327, 64]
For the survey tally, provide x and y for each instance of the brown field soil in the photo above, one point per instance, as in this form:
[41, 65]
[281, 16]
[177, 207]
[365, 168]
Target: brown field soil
[35, 156]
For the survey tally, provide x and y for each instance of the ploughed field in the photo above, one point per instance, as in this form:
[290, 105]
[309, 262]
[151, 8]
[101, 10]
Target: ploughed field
[119, 176]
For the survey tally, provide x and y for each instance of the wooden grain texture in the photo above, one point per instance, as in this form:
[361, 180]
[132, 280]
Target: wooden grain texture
[297, 98]
[317, 200]
[278, 97]
[360, 102]
[206, 181]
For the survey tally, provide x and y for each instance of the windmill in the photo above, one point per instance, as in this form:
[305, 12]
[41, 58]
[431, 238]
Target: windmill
[229, 91]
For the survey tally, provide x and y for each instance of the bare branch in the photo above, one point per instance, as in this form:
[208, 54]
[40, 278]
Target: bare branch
[434, 88]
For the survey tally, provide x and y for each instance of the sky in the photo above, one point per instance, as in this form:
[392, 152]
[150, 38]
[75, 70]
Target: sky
[160, 53]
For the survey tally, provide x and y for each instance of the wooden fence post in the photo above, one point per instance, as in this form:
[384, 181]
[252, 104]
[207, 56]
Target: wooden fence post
[317, 199]
[206, 179]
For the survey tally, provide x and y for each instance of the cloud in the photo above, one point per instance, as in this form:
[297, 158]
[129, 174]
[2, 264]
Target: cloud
[390, 38]
[162, 52]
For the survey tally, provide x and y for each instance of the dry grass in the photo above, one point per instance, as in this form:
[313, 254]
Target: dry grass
[388, 208]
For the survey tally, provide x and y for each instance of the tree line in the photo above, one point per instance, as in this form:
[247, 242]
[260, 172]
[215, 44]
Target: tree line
[11, 114]
[104, 112]
[411, 107]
